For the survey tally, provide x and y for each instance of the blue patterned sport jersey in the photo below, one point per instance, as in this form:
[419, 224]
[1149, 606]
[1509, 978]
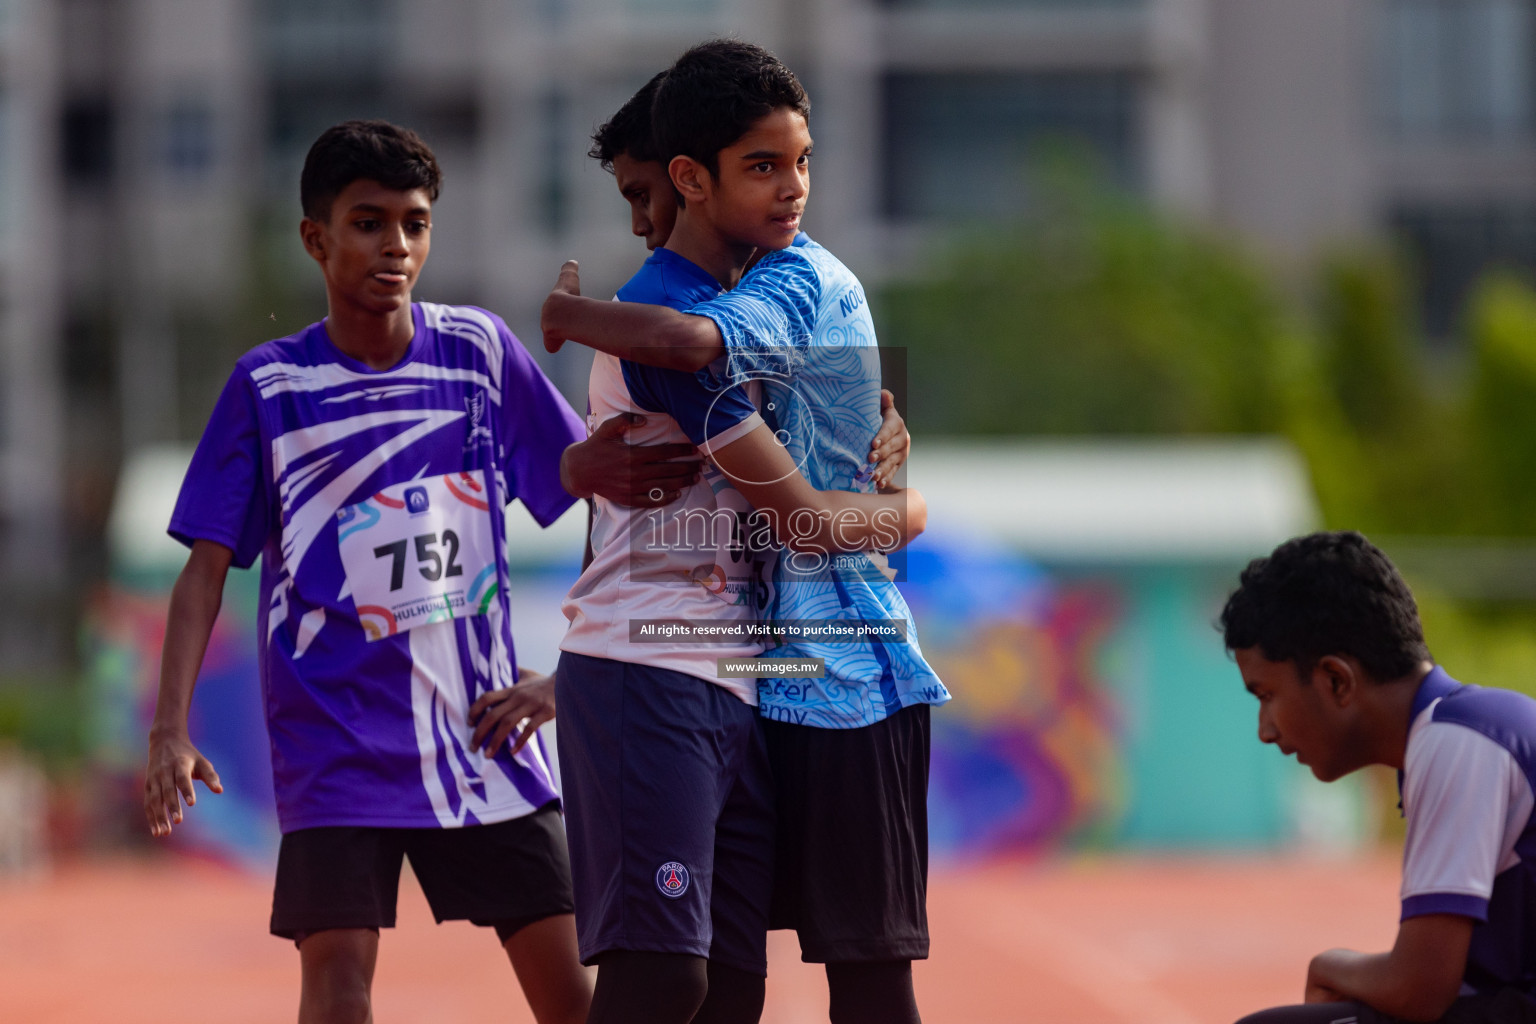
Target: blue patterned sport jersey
[798, 323]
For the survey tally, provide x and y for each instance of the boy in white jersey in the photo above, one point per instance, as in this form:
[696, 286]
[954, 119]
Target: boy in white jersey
[1327, 637]
[850, 751]
[367, 460]
[669, 804]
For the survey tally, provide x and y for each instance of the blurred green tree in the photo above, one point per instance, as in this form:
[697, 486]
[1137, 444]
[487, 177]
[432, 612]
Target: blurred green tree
[1095, 315]
[1395, 460]
[1502, 405]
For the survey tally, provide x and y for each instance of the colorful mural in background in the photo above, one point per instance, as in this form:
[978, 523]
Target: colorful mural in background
[1093, 706]
[1026, 755]
[123, 633]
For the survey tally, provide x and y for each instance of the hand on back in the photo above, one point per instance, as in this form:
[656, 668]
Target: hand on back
[633, 475]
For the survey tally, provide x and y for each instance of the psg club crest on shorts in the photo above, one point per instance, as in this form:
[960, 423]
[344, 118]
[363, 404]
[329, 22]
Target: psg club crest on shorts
[672, 879]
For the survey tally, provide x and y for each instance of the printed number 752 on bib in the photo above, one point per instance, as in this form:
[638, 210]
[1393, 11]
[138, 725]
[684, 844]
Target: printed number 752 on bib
[420, 551]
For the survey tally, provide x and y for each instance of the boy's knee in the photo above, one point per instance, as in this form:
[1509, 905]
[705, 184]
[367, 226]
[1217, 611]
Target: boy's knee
[640, 987]
[545, 956]
[878, 992]
[338, 976]
[335, 1004]
[335, 996]
[735, 996]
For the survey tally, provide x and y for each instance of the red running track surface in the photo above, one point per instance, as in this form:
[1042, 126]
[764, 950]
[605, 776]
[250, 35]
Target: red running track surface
[1109, 940]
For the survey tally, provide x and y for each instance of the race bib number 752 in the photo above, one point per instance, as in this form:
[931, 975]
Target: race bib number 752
[418, 552]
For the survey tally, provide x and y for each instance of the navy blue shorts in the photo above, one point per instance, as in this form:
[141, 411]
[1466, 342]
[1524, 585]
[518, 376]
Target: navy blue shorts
[669, 813]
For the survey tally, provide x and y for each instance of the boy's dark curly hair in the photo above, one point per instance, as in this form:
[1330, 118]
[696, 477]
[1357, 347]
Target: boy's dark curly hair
[713, 96]
[629, 130]
[1322, 594]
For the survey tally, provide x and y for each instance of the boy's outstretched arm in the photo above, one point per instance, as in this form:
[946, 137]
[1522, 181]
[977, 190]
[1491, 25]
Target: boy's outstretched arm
[806, 519]
[173, 761]
[1418, 980]
[654, 335]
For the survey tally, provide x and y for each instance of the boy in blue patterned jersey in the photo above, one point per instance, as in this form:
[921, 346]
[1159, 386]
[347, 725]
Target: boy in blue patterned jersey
[367, 459]
[625, 147]
[1326, 635]
[850, 751]
[668, 792]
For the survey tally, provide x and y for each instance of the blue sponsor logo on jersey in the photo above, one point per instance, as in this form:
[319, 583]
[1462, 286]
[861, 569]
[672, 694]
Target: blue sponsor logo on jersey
[672, 879]
[851, 300]
[416, 500]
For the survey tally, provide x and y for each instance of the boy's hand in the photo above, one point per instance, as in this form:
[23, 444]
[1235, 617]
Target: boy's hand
[497, 714]
[1418, 979]
[173, 764]
[1320, 972]
[566, 285]
[1321, 994]
[637, 476]
[890, 447]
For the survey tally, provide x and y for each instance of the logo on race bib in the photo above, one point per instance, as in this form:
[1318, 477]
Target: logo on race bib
[420, 552]
[672, 879]
[711, 577]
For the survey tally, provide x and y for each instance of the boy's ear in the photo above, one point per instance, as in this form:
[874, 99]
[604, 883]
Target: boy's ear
[1340, 676]
[313, 234]
[690, 178]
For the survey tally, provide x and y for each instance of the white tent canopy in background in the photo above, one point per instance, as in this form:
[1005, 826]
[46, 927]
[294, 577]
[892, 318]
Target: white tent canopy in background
[1062, 500]
[1121, 500]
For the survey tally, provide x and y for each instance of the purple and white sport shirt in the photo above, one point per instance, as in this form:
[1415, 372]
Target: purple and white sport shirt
[376, 499]
[1469, 791]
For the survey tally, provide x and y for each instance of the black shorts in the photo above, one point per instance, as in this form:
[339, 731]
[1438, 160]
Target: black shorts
[504, 875]
[851, 866]
[1505, 1006]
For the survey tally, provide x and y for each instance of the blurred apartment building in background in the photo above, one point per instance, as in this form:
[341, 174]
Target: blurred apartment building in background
[150, 151]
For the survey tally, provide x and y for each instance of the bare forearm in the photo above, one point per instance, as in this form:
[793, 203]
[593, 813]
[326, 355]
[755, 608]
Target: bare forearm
[1387, 982]
[807, 519]
[1367, 977]
[848, 521]
[845, 521]
[654, 335]
[195, 602]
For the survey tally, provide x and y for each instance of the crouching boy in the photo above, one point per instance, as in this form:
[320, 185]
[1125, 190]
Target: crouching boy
[1327, 637]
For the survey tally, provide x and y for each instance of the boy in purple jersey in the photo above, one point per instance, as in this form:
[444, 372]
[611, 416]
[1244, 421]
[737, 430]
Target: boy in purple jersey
[1326, 635]
[367, 459]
